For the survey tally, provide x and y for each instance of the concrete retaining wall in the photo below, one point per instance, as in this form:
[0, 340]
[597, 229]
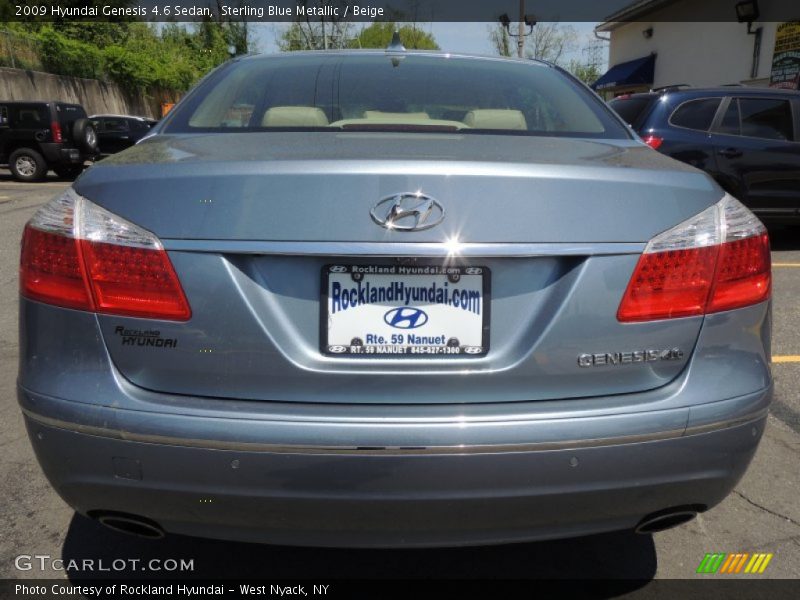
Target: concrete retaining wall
[96, 96]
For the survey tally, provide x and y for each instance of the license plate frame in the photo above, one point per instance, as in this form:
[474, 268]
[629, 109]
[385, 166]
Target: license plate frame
[422, 272]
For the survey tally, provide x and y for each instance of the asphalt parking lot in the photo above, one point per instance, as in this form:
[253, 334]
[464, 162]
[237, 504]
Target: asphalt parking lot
[762, 515]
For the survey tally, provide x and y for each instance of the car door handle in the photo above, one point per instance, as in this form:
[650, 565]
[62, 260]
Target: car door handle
[730, 153]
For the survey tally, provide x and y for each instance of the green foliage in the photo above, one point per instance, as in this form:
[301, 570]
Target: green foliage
[130, 69]
[135, 55]
[587, 73]
[295, 38]
[378, 35]
[62, 55]
[315, 35]
[19, 50]
[6, 10]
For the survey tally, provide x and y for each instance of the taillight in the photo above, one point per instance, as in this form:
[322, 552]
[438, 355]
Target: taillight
[78, 255]
[55, 128]
[52, 270]
[653, 141]
[718, 260]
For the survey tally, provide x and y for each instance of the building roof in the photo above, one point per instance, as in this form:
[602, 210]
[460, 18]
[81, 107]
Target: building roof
[632, 12]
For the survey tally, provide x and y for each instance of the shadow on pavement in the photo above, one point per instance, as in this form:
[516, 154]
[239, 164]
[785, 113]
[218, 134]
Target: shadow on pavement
[622, 555]
[51, 177]
[6, 177]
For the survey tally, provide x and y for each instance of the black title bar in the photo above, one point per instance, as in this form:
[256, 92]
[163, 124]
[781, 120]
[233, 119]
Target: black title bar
[390, 10]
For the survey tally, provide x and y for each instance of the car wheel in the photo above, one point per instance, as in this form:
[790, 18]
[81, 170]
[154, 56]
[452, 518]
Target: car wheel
[27, 165]
[68, 172]
[85, 136]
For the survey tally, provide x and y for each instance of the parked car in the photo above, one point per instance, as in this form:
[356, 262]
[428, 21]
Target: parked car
[747, 139]
[117, 132]
[39, 136]
[393, 299]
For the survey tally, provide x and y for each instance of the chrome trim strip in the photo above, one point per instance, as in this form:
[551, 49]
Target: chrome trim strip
[383, 249]
[392, 450]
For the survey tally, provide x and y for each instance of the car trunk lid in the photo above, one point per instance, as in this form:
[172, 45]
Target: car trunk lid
[557, 225]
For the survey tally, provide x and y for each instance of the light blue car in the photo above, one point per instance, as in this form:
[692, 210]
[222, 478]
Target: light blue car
[393, 299]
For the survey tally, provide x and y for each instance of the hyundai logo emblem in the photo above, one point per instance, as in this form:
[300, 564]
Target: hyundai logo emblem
[408, 211]
[405, 318]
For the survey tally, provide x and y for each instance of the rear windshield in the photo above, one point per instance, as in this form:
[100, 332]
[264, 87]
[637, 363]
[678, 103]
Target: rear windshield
[69, 113]
[632, 108]
[372, 92]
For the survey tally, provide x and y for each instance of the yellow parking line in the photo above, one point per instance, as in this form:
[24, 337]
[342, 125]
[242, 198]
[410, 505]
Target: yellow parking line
[786, 358]
[786, 264]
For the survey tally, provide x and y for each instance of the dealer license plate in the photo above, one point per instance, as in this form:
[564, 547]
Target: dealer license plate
[402, 310]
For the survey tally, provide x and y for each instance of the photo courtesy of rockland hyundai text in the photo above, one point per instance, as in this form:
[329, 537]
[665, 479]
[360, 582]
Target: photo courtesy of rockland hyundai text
[453, 292]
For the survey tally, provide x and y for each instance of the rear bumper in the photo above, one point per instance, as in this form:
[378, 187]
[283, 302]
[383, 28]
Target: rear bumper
[59, 155]
[393, 481]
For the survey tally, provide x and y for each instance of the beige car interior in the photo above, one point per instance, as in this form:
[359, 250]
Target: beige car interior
[308, 116]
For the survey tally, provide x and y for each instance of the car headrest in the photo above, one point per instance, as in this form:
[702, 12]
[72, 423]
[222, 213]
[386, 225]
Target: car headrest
[294, 116]
[495, 118]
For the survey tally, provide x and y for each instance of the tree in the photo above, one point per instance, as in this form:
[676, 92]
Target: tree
[99, 32]
[550, 41]
[587, 73]
[324, 34]
[212, 44]
[547, 41]
[379, 35]
[315, 35]
[500, 39]
[236, 31]
[139, 56]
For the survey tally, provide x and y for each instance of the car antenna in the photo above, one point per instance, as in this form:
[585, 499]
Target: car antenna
[396, 48]
[396, 45]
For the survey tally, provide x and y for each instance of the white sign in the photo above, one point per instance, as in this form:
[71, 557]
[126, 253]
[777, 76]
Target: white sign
[405, 310]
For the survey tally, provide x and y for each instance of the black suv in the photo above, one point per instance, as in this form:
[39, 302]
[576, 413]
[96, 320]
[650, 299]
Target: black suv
[37, 136]
[747, 139]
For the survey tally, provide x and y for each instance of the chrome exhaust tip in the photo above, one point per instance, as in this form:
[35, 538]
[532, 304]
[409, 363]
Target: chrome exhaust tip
[667, 519]
[130, 524]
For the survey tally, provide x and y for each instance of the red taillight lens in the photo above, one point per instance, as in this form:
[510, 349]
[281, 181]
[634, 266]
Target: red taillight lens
[50, 270]
[134, 281]
[55, 128]
[653, 141]
[721, 262]
[743, 274]
[669, 284]
[78, 255]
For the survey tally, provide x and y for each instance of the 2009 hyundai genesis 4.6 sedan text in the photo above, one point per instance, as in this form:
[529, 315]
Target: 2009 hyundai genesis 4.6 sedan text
[393, 299]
